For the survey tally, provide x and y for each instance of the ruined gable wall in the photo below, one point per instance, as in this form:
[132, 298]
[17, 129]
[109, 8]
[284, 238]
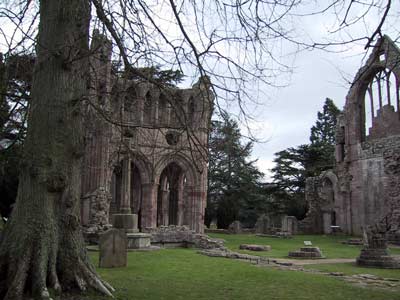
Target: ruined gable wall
[363, 162]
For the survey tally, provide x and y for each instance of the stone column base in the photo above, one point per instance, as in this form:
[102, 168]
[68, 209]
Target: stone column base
[127, 222]
[139, 240]
[378, 258]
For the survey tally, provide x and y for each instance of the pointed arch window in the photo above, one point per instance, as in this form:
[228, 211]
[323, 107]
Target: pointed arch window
[381, 100]
[148, 110]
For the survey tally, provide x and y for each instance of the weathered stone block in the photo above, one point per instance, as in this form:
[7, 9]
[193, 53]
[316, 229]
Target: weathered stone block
[138, 240]
[255, 247]
[113, 244]
[128, 222]
[236, 227]
[307, 252]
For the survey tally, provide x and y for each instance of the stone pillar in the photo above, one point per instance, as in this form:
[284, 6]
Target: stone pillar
[181, 206]
[197, 209]
[125, 219]
[149, 205]
[125, 207]
[327, 222]
[165, 207]
[188, 199]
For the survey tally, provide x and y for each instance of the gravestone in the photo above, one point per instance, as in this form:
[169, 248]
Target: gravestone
[235, 227]
[289, 224]
[112, 245]
[263, 224]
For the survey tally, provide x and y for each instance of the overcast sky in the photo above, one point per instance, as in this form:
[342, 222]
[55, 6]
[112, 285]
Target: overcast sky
[288, 113]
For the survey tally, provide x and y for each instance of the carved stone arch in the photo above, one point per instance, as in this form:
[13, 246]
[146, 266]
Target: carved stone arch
[139, 160]
[331, 176]
[131, 103]
[164, 109]
[183, 162]
[384, 58]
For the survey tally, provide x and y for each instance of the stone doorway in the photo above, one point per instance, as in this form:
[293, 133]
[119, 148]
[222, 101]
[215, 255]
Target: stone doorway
[170, 195]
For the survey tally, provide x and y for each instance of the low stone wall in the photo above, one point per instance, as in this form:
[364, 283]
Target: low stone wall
[182, 236]
[225, 231]
[233, 255]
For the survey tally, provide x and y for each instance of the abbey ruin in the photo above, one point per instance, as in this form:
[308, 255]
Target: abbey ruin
[146, 149]
[364, 187]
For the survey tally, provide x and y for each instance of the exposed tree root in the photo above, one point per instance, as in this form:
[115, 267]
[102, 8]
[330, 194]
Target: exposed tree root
[38, 269]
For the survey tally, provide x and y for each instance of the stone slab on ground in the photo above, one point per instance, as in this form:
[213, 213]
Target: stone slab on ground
[303, 262]
[231, 254]
[112, 245]
[254, 247]
[306, 252]
[279, 235]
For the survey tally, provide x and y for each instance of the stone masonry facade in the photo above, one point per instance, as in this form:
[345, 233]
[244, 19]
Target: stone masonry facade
[364, 187]
[146, 149]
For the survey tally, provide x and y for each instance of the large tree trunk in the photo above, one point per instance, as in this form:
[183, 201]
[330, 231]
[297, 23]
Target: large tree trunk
[42, 244]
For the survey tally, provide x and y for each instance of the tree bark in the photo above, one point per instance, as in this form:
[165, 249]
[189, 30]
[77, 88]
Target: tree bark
[42, 244]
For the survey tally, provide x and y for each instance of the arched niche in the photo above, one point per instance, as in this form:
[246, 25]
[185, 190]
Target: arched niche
[131, 105]
[164, 110]
[148, 109]
[191, 111]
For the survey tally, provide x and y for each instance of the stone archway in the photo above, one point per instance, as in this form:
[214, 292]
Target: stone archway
[170, 195]
[176, 196]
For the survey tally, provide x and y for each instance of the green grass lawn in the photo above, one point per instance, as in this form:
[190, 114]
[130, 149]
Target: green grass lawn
[184, 274]
[330, 246]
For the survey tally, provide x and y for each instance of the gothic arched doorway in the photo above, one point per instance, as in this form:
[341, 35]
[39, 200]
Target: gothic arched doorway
[169, 196]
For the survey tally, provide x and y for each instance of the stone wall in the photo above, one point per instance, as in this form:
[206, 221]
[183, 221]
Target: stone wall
[366, 185]
[146, 146]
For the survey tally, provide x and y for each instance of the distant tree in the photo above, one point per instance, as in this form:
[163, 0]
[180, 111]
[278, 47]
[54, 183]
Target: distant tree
[234, 181]
[15, 84]
[323, 136]
[293, 165]
[323, 132]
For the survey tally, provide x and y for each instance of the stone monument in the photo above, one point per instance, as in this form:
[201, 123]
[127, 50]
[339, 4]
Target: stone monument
[375, 252]
[113, 244]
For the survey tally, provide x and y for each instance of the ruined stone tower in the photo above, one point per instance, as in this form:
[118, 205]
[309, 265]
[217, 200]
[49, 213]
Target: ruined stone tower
[146, 149]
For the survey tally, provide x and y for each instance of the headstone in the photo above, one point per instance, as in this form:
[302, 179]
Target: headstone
[235, 227]
[289, 224]
[113, 244]
[307, 243]
[263, 224]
